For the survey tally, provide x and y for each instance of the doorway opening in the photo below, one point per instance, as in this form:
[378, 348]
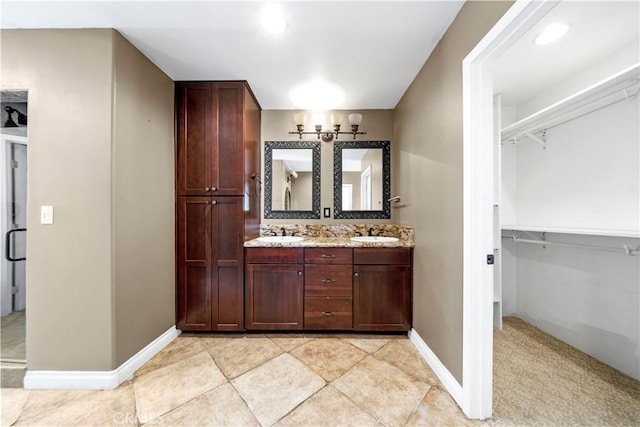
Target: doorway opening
[13, 219]
[482, 227]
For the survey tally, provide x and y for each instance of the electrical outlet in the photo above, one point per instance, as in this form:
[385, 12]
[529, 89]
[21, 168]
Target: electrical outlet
[327, 212]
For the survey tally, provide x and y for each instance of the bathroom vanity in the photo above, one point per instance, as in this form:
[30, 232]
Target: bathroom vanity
[328, 283]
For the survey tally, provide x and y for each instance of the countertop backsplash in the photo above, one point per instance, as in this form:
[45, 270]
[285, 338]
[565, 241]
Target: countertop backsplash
[402, 232]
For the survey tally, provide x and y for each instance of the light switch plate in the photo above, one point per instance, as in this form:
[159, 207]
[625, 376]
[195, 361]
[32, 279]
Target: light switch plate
[46, 215]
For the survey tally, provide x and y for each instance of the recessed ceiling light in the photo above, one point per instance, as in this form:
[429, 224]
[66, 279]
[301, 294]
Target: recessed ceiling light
[552, 33]
[273, 20]
[317, 95]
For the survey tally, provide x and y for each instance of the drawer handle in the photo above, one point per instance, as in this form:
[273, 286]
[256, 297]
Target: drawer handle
[327, 256]
[328, 281]
[328, 313]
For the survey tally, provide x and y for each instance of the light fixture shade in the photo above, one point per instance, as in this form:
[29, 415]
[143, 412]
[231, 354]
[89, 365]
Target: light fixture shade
[336, 119]
[318, 119]
[299, 119]
[355, 119]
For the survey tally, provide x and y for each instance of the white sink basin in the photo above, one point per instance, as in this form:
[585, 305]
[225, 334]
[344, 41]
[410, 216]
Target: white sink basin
[280, 239]
[374, 239]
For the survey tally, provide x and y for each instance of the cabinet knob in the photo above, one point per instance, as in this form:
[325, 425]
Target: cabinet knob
[328, 313]
[213, 202]
[207, 189]
[213, 188]
[355, 274]
[299, 273]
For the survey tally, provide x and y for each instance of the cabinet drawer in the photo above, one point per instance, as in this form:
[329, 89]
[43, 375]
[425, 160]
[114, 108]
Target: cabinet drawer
[328, 280]
[328, 256]
[328, 313]
[274, 256]
[378, 256]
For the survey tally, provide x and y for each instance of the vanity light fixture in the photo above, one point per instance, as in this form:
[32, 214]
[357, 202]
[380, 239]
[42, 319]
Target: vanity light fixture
[327, 136]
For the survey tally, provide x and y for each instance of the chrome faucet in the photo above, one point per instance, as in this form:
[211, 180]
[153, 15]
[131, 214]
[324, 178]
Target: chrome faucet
[284, 232]
[371, 231]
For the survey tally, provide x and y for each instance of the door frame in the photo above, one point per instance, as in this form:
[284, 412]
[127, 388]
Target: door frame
[5, 291]
[478, 200]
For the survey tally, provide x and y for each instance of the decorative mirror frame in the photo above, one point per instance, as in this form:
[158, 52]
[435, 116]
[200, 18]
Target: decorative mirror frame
[269, 146]
[338, 213]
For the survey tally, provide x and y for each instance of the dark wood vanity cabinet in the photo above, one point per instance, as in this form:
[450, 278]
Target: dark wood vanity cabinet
[382, 286]
[274, 288]
[328, 302]
[342, 289]
[217, 203]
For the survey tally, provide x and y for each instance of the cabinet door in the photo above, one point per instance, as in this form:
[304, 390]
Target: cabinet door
[382, 297]
[195, 138]
[229, 144]
[274, 296]
[227, 291]
[193, 305]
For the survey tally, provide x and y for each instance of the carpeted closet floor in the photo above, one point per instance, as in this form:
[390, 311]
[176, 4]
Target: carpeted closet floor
[540, 380]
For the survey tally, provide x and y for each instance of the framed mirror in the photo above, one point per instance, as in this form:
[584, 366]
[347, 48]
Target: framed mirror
[292, 179]
[361, 180]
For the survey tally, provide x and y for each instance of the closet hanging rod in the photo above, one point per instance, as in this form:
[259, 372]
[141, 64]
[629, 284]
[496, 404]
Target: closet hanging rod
[620, 86]
[626, 249]
[529, 133]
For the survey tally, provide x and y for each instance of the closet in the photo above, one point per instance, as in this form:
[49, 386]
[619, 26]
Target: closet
[217, 201]
[568, 219]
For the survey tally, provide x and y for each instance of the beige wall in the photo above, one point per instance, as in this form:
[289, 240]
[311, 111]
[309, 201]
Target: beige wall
[143, 201]
[427, 174]
[69, 298]
[275, 127]
[75, 286]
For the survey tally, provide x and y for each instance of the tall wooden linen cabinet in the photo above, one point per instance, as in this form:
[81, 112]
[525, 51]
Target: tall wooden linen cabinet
[217, 201]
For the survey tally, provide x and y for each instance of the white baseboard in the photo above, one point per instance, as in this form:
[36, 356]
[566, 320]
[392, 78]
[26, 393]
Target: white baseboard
[98, 380]
[446, 378]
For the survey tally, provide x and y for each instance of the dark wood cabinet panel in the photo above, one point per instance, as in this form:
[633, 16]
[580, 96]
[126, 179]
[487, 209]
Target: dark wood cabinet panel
[328, 313]
[328, 280]
[378, 256]
[212, 118]
[328, 256]
[382, 297]
[227, 264]
[210, 264]
[194, 142]
[274, 296]
[194, 270]
[275, 255]
[229, 166]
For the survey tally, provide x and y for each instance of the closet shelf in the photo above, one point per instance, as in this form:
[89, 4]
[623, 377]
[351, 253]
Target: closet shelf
[620, 86]
[585, 231]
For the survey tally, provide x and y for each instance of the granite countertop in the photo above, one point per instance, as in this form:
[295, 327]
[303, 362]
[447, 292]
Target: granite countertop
[327, 242]
[334, 235]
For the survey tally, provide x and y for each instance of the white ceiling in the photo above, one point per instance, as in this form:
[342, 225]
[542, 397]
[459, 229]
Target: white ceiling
[373, 49]
[597, 30]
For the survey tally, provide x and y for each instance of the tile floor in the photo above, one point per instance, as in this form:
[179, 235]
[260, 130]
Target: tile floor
[258, 380]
